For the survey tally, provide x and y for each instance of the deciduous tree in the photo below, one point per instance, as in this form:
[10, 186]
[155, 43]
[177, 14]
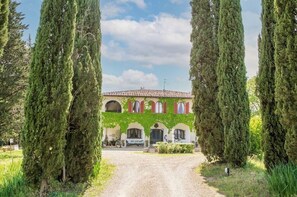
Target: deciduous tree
[13, 76]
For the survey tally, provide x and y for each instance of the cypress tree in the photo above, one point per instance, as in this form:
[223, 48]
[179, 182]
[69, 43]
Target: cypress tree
[4, 13]
[13, 75]
[286, 71]
[84, 134]
[231, 73]
[272, 131]
[49, 95]
[204, 57]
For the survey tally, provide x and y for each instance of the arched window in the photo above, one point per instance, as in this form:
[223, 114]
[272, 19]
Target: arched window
[180, 108]
[113, 106]
[179, 134]
[134, 133]
[159, 108]
[136, 107]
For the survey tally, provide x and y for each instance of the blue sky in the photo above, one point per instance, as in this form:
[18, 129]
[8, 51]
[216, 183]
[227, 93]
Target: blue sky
[147, 41]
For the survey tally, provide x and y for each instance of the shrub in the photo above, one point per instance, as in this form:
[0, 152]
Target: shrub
[175, 147]
[162, 147]
[255, 135]
[282, 180]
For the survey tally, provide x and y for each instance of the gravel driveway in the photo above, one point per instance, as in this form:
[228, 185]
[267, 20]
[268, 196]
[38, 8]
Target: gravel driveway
[149, 175]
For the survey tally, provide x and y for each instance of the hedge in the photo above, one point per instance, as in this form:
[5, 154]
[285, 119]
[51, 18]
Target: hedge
[168, 148]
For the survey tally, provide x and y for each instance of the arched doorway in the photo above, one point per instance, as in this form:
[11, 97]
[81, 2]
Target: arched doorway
[113, 106]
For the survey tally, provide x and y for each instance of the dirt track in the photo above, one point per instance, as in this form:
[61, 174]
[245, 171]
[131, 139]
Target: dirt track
[150, 175]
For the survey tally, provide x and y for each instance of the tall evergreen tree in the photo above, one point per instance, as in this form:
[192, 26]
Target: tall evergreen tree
[272, 131]
[231, 73]
[13, 75]
[204, 57]
[49, 95]
[286, 71]
[84, 135]
[4, 13]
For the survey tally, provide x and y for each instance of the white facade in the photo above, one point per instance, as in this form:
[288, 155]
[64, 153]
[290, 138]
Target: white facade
[135, 133]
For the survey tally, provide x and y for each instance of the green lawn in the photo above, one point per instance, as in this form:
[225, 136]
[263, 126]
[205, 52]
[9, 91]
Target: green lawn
[106, 172]
[10, 156]
[12, 182]
[247, 181]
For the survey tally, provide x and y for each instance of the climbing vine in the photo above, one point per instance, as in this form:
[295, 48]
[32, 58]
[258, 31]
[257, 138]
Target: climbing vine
[147, 119]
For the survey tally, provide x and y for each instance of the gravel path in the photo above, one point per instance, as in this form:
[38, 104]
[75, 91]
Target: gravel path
[150, 175]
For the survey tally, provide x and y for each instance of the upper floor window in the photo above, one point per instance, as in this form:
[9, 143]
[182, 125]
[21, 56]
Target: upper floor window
[136, 107]
[159, 107]
[134, 133]
[113, 106]
[180, 108]
[179, 134]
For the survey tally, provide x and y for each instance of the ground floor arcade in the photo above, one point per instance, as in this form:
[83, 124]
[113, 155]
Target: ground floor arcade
[136, 135]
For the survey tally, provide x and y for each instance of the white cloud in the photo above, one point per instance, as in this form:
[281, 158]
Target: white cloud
[114, 8]
[177, 1]
[111, 9]
[163, 41]
[130, 79]
[139, 3]
[252, 28]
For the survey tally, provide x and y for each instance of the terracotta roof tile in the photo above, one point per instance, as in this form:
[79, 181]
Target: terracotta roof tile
[150, 93]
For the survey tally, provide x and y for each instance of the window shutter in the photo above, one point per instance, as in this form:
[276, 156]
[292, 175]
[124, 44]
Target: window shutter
[164, 108]
[175, 108]
[142, 107]
[153, 106]
[129, 106]
[187, 107]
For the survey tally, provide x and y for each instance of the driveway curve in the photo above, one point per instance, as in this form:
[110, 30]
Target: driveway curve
[150, 175]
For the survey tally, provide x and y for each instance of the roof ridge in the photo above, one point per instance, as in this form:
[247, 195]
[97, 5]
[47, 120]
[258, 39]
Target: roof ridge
[150, 93]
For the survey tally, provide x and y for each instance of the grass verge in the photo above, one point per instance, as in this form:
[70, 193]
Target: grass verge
[12, 182]
[282, 180]
[247, 181]
[99, 183]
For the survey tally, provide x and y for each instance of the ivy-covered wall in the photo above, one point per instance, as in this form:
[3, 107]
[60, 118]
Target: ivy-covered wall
[147, 119]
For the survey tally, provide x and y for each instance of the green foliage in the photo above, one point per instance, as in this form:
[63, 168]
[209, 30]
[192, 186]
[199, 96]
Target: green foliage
[49, 93]
[253, 97]
[282, 180]
[231, 74]
[204, 58]
[286, 72]
[4, 13]
[147, 119]
[168, 148]
[255, 135]
[13, 77]
[272, 131]
[82, 151]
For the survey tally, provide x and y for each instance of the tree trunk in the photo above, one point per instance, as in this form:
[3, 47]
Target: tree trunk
[43, 188]
[64, 174]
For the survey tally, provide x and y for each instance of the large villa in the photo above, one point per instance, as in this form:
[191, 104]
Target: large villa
[145, 117]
